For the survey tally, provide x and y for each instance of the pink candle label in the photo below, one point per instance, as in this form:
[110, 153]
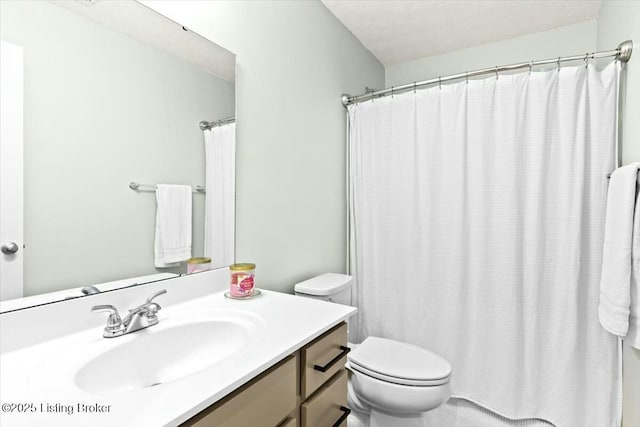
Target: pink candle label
[246, 284]
[241, 284]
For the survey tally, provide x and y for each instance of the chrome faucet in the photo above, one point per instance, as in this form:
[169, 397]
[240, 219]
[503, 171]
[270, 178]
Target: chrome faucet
[141, 317]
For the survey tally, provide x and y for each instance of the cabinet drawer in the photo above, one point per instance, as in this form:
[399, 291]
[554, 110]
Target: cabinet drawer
[328, 352]
[327, 407]
[264, 402]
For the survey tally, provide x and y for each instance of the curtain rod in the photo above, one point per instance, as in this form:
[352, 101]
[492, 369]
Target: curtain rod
[204, 125]
[622, 53]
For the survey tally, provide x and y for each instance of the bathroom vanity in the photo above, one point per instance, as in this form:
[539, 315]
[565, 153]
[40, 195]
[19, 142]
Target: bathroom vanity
[308, 389]
[209, 361]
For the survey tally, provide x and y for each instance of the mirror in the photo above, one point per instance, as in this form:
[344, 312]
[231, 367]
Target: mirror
[113, 93]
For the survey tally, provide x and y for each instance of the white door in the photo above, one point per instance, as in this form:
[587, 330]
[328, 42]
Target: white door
[11, 171]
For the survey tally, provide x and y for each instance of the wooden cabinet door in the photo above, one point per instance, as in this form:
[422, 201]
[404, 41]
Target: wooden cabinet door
[327, 408]
[264, 402]
[330, 352]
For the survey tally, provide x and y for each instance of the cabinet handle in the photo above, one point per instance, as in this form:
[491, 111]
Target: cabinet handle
[333, 361]
[345, 413]
[285, 422]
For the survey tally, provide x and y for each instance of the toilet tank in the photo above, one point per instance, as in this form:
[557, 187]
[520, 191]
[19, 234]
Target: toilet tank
[332, 287]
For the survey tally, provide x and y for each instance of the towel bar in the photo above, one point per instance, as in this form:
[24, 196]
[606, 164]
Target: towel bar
[136, 186]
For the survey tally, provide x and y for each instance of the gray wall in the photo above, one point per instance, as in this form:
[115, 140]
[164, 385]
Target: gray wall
[294, 60]
[619, 21]
[101, 110]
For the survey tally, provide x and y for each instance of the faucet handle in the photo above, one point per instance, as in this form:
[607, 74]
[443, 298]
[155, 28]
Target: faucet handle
[157, 294]
[114, 322]
[104, 308]
[152, 311]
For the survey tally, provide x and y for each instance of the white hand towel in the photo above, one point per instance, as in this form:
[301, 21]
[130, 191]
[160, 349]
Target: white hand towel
[617, 258]
[633, 335]
[173, 225]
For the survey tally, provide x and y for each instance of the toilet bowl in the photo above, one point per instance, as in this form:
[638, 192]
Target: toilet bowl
[394, 383]
[391, 383]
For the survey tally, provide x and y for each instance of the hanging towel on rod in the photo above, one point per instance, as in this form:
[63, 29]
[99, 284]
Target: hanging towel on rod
[173, 225]
[619, 309]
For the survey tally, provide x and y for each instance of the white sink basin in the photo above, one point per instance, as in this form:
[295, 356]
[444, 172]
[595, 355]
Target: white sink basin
[177, 347]
[160, 356]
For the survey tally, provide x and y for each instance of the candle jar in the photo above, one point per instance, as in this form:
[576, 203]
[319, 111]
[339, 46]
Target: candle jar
[242, 279]
[195, 265]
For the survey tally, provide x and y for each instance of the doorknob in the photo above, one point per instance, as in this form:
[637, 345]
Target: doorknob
[9, 248]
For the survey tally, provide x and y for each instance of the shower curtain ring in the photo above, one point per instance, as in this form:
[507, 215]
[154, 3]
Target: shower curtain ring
[391, 91]
[586, 60]
[414, 87]
[466, 77]
[496, 72]
[440, 82]
[530, 66]
[558, 63]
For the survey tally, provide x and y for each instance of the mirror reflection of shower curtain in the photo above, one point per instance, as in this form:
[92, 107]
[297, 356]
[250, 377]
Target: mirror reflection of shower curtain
[219, 223]
[477, 222]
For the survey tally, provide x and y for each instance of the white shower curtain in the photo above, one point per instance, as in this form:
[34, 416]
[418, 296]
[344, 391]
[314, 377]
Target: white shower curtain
[477, 216]
[219, 221]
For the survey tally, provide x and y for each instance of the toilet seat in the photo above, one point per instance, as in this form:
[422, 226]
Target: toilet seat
[399, 363]
[395, 380]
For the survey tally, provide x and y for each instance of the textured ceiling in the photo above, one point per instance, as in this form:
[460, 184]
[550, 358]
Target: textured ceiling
[143, 24]
[396, 31]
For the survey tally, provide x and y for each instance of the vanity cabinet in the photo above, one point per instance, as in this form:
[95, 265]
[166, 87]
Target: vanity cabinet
[264, 401]
[306, 389]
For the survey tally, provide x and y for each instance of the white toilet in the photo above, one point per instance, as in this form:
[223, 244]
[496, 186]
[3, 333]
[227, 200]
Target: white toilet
[391, 383]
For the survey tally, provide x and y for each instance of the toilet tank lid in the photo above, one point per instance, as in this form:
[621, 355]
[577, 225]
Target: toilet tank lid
[324, 284]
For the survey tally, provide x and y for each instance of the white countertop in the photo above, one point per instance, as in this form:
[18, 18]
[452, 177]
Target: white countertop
[287, 324]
